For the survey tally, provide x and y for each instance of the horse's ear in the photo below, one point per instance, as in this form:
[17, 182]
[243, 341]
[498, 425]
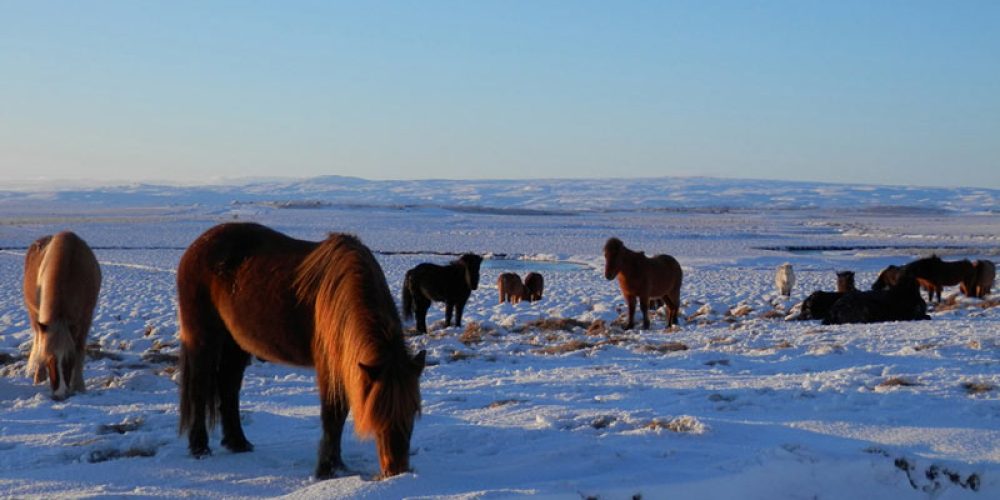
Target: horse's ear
[373, 372]
[419, 361]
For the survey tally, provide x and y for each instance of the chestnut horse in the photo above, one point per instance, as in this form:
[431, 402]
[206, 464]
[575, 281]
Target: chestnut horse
[510, 287]
[246, 290]
[61, 281]
[534, 286]
[451, 284]
[981, 281]
[934, 274]
[643, 278]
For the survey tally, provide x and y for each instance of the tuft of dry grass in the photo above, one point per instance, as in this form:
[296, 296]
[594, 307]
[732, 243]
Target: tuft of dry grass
[722, 340]
[553, 324]
[897, 382]
[784, 344]
[773, 314]
[598, 328]
[473, 333]
[740, 311]
[663, 347]
[682, 424]
[973, 388]
[990, 303]
[565, 347]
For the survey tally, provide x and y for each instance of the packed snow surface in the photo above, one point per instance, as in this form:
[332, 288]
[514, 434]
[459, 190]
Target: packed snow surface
[551, 398]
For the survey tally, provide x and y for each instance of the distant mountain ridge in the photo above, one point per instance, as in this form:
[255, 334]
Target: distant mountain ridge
[528, 196]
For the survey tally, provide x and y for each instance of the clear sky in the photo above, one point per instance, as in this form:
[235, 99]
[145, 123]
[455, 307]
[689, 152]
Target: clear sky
[892, 92]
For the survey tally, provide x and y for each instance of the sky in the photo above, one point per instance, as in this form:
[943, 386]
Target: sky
[887, 92]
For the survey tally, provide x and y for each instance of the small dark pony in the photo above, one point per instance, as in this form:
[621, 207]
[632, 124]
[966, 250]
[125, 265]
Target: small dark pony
[246, 290]
[510, 288]
[644, 278]
[817, 304]
[451, 284]
[981, 281]
[900, 302]
[934, 274]
[534, 286]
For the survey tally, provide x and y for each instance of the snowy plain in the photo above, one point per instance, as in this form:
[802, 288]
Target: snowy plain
[550, 398]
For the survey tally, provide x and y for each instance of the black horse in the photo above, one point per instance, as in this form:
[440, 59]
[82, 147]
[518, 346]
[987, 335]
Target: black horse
[451, 284]
[817, 304]
[900, 302]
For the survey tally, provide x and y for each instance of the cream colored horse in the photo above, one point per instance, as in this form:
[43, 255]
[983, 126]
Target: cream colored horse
[61, 281]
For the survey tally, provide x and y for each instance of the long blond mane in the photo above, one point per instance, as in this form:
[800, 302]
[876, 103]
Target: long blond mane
[355, 323]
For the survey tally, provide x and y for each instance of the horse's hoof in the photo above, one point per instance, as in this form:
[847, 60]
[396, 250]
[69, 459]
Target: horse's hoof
[237, 446]
[327, 472]
[201, 452]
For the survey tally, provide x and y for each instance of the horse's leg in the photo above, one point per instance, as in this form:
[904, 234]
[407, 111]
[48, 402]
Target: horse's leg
[459, 307]
[232, 363]
[671, 308]
[630, 299]
[644, 307]
[449, 308]
[333, 413]
[423, 304]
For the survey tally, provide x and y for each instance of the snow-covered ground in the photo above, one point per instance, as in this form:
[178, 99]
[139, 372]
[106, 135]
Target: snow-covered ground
[550, 398]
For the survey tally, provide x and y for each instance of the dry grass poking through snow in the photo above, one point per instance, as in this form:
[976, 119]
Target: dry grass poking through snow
[663, 347]
[553, 324]
[973, 388]
[565, 347]
[897, 382]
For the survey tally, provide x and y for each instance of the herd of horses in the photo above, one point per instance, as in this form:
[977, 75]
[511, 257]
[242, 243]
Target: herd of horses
[245, 290]
[895, 294]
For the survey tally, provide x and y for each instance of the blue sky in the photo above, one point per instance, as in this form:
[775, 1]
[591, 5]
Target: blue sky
[889, 92]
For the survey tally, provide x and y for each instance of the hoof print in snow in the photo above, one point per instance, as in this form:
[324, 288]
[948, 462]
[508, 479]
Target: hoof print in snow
[105, 455]
[128, 425]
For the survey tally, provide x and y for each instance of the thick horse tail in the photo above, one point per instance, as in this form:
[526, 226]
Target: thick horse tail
[199, 385]
[408, 295]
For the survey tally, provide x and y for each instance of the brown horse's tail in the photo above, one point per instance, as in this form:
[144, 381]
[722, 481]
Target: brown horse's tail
[408, 295]
[199, 382]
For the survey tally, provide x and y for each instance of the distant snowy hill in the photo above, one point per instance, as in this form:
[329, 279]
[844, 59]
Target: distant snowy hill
[573, 195]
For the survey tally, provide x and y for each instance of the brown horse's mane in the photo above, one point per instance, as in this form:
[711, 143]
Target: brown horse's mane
[355, 324]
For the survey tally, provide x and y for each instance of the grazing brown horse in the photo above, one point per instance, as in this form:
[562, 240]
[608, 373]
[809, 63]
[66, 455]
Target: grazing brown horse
[934, 274]
[510, 287]
[643, 278]
[451, 284]
[61, 281]
[981, 282]
[244, 289]
[534, 285]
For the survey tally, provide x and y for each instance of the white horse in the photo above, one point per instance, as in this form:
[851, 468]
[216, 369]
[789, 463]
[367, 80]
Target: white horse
[784, 279]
